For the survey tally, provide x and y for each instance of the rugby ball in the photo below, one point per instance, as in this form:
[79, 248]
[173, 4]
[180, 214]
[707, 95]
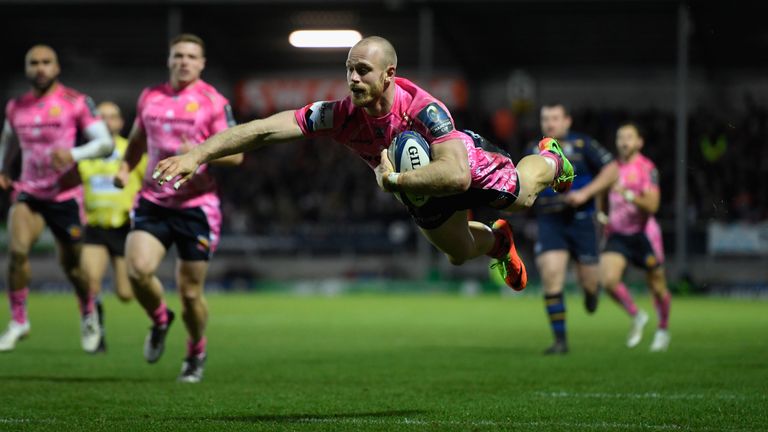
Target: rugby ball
[409, 151]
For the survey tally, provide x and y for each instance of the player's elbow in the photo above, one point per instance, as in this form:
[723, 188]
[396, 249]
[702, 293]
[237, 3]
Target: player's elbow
[460, 181]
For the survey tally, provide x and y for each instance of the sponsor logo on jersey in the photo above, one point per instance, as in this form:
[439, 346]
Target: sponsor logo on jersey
[192, 107]
[320, 116]
[436, 119]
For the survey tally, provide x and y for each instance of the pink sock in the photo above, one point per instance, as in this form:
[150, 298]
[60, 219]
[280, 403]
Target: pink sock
[624, 298]
[662, 309]
[558, 161]
[195, 349]
[160, 315]
[87, 305]
[18, 300]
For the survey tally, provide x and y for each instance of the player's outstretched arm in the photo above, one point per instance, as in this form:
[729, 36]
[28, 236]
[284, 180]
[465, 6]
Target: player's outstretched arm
[648, 201]
[602, 182]
[137, 146]
[100, 143]
[281, 127]
[447, 173]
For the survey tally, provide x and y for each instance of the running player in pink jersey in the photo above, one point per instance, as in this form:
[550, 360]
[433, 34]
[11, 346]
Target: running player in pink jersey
[171, 118]
[46, 122]
[466, 171]
[634, 236]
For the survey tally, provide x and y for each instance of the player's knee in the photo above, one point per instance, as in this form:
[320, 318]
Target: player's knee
[191, 296]
[124, 297]
[124, 292]
[139, 272]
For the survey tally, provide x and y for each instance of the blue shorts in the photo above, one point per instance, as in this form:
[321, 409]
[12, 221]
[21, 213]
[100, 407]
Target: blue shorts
[187, 228]
[568, 230]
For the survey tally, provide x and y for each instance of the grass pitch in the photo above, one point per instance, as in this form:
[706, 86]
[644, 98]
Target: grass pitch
[395, 362]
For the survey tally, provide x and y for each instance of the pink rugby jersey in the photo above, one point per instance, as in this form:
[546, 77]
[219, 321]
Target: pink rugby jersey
[41, 125]
[170, 119]
[638, 175]
[413, 109]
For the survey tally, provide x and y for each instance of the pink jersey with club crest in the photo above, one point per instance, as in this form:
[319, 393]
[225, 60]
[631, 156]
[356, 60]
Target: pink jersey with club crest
[638, 175]
[172, 121]
[41, 125]
[413, 109]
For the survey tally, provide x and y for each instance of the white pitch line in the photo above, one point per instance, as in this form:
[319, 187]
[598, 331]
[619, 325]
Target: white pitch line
[24, 420]
[647, 395]
[492, 423]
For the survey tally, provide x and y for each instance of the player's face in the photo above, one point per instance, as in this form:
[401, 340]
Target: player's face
[42, 68]
[111, 116]
[628, 141]
[186, 62]
[555, 122]
[366, 77]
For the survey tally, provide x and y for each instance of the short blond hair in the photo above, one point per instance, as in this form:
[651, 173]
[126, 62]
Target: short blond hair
[188, 37]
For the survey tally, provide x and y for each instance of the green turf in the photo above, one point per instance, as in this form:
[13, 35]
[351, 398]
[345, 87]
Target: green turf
[399, 362]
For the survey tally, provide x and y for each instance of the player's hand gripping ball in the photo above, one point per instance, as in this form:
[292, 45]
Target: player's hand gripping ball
[409, 151]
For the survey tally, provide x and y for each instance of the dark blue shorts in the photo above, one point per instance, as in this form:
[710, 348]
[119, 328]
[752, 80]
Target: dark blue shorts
[63, 218]
[187, 228]
[636, 248]
[574, 232]
[111, 238]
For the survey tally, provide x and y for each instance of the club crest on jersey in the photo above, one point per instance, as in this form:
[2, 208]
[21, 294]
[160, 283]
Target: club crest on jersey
[55, 111]
[320, 116]
[192, 106]
[436, 119]
[75, 231]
